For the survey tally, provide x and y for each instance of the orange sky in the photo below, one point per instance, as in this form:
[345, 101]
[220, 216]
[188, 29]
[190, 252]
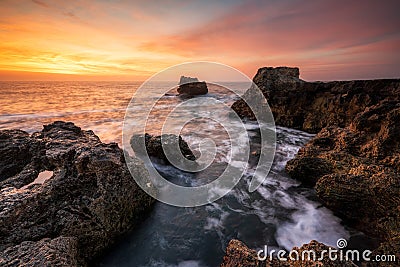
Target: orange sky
[131, 40]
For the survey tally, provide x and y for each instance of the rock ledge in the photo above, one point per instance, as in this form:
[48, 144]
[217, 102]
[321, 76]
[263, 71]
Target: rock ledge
[88, 203]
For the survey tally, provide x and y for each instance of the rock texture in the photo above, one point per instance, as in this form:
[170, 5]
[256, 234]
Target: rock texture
[193, 89]
[355, 171]
[353, 161]
[60, 251]
[311, 106]
[154, 146]
[89, 202]
[239, 255]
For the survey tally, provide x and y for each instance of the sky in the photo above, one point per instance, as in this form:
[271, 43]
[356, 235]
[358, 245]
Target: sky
[134, 39]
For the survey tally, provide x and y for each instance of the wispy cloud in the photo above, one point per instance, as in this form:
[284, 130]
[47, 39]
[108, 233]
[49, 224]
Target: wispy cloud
[40, 3]
[360, 38]
[294, 33]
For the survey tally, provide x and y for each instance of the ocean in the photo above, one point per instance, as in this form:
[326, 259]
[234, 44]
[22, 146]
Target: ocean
[281, 213]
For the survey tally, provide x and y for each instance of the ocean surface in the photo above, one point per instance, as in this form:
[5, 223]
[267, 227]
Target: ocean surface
[280, 213]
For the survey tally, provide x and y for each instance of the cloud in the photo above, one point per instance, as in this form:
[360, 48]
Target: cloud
[285, 27]
[324, 34]
[360, 37]
[40, 3]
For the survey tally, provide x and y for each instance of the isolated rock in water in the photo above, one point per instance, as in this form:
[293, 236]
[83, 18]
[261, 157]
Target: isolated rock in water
[155, 147]
[311, 106]
[90, 198]
[192, 89]
[238, 254]
[191, 86]
[185, 79]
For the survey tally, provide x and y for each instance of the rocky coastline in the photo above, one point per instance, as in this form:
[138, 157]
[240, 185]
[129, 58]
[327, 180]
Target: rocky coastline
[353, 161]
[311, 106]
[89, 201]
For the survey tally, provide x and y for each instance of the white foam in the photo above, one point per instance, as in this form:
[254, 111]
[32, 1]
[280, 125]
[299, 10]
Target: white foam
[212, 223]
[264, 192]
[284, 199]
[190, 263]
[311, 223]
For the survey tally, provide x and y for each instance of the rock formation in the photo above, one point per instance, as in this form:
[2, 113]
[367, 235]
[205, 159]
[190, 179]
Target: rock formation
[154, 146]
[191, 87]
[239, 255]
[88, 203]
[59, 251]
[311, 106]
[355, 171]
[353, 161]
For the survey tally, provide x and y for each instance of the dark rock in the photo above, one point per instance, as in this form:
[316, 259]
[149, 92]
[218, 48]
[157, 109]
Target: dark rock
[154, 146]
[238, 254]
[193, 89]
[91, 196]
[15, 152]
[362, 184]
[353, 194]
[354, 160]
[309, 169]
[311, 106]
[60, 251]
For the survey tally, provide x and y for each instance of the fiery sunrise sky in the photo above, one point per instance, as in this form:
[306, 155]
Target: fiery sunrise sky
[131, 40]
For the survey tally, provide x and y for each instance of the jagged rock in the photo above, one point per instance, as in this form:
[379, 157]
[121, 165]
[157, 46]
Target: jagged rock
[185, 79]
[193, 89]
[239, 255]
[308, 169]
[311, 106]
[91, 196]
[354, 160]
[362, 182]
[14, 152]
[154, 147]
[60, 251]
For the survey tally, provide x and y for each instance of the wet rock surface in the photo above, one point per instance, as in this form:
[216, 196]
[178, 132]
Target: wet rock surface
[359, 179]
[90, 200]
[239, 255]
[353, 161]
[193, 89]
[156, 145]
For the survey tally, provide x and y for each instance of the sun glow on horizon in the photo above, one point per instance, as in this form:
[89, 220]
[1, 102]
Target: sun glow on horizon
[121, 40]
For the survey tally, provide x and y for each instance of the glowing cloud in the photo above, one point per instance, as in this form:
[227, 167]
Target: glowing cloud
[134, 39]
